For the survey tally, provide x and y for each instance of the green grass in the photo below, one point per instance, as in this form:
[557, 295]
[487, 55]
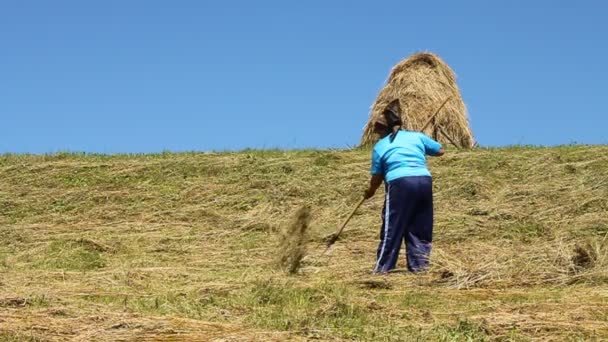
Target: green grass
[14, 337]
[69, 255]
[166, 243]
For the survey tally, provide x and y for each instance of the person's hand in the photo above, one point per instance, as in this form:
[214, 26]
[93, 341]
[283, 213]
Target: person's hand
[368, 193]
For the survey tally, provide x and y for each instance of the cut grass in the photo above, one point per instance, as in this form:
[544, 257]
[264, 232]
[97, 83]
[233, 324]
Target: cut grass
[133, 246]
[68, 255]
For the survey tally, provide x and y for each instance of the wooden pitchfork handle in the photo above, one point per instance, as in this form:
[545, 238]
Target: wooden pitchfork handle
[434, 115]
[335, 237]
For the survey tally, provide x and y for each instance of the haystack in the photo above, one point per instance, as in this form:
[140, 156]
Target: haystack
[421, 83]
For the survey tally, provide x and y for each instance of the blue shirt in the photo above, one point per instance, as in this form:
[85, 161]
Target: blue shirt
[405, 156]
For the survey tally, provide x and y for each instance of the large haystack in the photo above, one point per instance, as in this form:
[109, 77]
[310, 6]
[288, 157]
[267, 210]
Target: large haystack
[422, 82]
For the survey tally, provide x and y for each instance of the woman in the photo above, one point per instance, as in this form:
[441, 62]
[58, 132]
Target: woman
[399, 158]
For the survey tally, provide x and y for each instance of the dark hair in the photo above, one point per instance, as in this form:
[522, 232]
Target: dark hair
[393, 119]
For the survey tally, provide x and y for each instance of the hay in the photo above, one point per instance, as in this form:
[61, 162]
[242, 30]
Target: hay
[421, 83]
[292, 244]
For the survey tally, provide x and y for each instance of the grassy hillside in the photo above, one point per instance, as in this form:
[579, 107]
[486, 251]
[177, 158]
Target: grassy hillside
[183, 247]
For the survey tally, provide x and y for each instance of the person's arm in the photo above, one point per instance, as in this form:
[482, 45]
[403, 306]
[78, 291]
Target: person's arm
[374, 183]
[431, 147]
[377, 172]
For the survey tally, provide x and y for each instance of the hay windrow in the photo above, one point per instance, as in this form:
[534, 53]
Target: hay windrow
[421, 83]
[292, 244]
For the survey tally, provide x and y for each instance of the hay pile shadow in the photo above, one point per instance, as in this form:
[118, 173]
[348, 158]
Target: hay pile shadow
[421, 83]
[292, 244]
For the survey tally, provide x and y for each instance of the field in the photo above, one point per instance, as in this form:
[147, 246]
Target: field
[184, 247]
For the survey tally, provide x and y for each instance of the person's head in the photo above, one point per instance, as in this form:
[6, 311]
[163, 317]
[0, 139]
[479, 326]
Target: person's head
[381, 127]
[390, 121]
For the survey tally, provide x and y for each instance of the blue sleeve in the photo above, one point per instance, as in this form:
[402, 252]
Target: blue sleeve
[431, 147]
[377, 168]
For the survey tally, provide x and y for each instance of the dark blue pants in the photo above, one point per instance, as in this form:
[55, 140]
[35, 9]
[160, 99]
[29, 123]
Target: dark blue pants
[407, 215]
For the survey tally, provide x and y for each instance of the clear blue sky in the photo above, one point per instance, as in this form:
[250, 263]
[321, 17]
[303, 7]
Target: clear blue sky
[146, 76]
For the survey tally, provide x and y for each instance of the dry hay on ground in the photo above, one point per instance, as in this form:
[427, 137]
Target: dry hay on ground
[556, 262]
[63, 325]
[520, 252]
[421, 83]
